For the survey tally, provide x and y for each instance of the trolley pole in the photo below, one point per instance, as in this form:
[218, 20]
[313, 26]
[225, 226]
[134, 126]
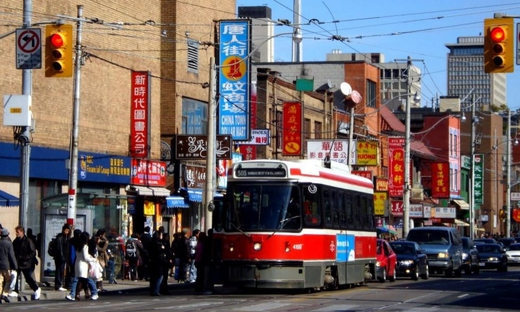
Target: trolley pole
[73, 170]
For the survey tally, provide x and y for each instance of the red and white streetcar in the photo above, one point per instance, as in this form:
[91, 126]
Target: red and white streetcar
[295, 225]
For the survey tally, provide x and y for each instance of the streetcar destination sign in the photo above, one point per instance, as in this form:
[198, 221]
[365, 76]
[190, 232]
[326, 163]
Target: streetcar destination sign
[261, 172]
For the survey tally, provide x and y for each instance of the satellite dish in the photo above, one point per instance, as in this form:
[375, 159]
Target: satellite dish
[346, 89]
[329, 84]
[355, 97]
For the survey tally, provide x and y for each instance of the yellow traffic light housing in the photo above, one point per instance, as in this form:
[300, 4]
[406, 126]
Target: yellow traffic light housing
[58, 51]
[499, 45]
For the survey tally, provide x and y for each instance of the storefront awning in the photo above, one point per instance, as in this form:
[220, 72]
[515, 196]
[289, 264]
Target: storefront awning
[461, 223]
[8, 200]
[195, 194]
[176, 202]
[462, 204]
[149, 190]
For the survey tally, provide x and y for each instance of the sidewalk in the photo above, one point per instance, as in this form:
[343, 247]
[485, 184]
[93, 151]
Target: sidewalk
[122, 286]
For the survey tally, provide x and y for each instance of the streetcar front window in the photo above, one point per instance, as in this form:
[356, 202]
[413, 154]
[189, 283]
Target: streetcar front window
[262, 207]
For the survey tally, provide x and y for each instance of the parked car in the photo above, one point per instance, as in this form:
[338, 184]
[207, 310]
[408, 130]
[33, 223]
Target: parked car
[506, 241]
[411, 260]
[470, 257]
[442, 245]
[484, 241]
[386, 261]
[513, 254]
[492, 256]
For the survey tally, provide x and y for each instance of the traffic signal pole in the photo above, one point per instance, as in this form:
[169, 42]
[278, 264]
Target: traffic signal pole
[24, 137]
[73, 170]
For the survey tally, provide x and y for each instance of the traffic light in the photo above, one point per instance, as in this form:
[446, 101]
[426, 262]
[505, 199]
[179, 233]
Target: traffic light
[58, 51]
[499, 45]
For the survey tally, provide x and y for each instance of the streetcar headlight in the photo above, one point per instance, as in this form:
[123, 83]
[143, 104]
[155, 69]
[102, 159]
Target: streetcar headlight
[287, 247]
[443, 255]
[231, 247]
[257, 246]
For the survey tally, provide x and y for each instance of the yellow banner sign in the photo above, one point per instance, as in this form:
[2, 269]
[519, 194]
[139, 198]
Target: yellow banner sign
[380, 199]
[366, 153]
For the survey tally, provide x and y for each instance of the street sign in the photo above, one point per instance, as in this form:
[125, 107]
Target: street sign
[28, 48]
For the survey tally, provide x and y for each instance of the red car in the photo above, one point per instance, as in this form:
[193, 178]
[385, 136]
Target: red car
[386, 262]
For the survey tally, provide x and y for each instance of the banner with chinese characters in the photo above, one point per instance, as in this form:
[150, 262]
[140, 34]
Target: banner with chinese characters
[148, 172]
[139, 114]
[380, 199]
[363, 173]
[440, 180]
[258, 136]
[292, 129]
[337, 150]
[478, 195]
[234, 79]
[366, 153]
[397, 208]
[396, 161]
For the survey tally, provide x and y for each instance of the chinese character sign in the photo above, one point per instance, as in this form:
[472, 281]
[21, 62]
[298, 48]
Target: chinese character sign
[148, 172]
[363, 173]
[396, 161]
[440, 180]
[366, 153]
[234, 79]
[337, 150]
[380, 199]
[478, 162]
[139, 123]
[292, 129]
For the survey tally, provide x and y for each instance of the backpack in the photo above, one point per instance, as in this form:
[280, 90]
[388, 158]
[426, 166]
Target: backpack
[131, 251]
[52, 249]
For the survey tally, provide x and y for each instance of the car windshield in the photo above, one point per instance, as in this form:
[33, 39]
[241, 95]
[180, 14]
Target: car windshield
[488, 248]
[432, 237]
[514, 247]
[403, 249]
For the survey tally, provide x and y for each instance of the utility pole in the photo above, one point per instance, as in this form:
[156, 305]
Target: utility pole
[209, 206]
[73, 170]
[407, 184]
[24, 137]
[472, 176]
[508, 178]
[297, 35]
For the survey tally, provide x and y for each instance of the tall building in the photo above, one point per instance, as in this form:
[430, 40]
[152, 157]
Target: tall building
[466, 73]
[262, 31]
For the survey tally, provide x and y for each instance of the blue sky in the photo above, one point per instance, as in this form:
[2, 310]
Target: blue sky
[419, 29]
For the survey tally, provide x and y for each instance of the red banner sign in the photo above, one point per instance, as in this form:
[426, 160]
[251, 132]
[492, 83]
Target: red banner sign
[363, 173]
[381, 185]
[440, 180]
[396, 160]
[397, 208]
[148, 172]
[292, 129]
[139, 115]
[249, 151]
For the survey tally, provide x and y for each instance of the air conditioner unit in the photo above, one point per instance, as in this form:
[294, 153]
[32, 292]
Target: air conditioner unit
[417, 194]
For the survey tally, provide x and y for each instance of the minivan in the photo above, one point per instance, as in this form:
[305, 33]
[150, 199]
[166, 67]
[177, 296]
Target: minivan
[442, 245]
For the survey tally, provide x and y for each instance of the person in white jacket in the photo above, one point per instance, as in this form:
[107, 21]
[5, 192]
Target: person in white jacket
[81, 267]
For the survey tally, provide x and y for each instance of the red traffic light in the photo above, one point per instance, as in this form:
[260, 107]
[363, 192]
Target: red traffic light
[498, 34]
[57, 40]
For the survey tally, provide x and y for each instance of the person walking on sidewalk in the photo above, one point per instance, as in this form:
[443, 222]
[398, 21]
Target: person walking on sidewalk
[25, 253]
[192, 244]
[61, 257]
[81, 267]
[7, 263]
[159, 261]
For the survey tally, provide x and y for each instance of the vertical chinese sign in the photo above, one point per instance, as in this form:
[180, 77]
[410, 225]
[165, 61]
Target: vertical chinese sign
[234, 79]
[478, 190]
[139, 119]
[440, 180]
[292, 129]
[396, 161]
[249, 151]
[380, 199]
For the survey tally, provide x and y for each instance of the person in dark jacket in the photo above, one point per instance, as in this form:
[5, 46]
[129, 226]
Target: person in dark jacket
[7, 263]
[25, 252]
[181, 254]
[61, 258]
[146, 239]
[159, 261]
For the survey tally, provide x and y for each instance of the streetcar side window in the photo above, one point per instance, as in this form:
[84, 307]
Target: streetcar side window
[335, 208]
[364, 214]
[327, 213]
[342, 210]
[311, 206]
[357, 211]
[348, 209]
